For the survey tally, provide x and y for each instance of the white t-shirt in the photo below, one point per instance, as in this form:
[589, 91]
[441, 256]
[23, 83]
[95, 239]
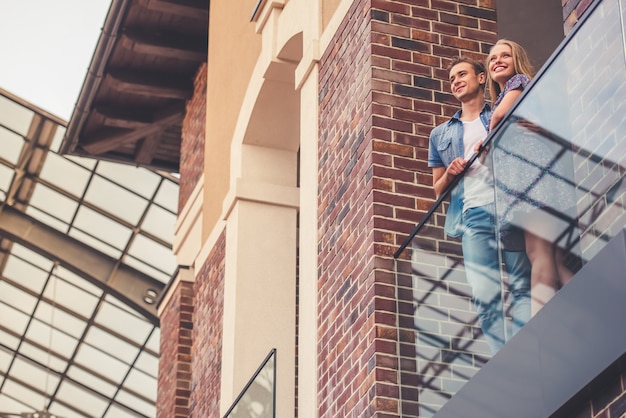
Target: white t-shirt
[478, 182]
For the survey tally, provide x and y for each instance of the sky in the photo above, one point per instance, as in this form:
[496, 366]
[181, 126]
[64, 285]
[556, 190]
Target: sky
[46, 48]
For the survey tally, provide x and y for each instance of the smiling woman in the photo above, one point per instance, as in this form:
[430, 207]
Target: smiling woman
[46, 47]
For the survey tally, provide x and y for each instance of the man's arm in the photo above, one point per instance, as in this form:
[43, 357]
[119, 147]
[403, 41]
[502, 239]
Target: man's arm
[442, 176]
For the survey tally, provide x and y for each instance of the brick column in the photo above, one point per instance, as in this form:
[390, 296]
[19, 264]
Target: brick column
[193, 137]
[174, 383]
[383, 87]
[207, 334]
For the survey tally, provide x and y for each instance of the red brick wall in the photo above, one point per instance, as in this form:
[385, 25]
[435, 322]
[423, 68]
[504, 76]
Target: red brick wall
[347, 330]
[207, 334]
[604, 397]
[382, 90]
[572, 11]
[174, 382]
[193, 135]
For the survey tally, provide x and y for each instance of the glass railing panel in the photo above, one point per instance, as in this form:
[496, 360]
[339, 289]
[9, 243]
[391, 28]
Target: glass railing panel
[436, 301]
[572, 116]
[258, 398]
[559, 159]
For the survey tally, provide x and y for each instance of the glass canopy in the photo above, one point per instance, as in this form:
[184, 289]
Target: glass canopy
[78, 237]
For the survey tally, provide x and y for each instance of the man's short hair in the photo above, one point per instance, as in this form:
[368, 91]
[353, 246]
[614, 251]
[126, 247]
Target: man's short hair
[478, 66]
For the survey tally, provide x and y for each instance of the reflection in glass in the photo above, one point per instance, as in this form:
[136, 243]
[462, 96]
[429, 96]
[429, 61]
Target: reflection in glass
[257, 400]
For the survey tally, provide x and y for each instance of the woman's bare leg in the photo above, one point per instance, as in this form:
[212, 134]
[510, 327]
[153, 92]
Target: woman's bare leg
[544, 277]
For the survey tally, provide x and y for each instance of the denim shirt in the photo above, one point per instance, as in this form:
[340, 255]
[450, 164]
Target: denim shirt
[446, 144]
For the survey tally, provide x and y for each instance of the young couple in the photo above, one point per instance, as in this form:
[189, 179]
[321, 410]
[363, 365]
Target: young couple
[537, 266]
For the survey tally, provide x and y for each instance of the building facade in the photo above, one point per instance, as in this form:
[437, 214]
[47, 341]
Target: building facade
[303, 169]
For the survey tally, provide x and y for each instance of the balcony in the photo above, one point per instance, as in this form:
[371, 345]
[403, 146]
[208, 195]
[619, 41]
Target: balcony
[558, 162]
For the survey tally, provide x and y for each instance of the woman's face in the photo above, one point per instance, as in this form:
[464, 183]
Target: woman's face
[501, 65]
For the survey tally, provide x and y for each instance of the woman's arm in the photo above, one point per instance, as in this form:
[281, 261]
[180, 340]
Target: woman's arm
[504, 106]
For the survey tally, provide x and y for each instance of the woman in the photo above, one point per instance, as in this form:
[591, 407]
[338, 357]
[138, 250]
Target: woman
[526, 172]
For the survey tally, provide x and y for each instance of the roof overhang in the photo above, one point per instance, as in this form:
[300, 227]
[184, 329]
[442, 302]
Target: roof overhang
[132, 103]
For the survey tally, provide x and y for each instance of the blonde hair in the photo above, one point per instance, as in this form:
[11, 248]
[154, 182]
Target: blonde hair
[521, 64]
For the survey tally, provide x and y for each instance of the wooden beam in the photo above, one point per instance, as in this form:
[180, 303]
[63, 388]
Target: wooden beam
[108, 141]
[194, 9]
[146, 149]
[150, 84]
[166, 44]
[123, 117]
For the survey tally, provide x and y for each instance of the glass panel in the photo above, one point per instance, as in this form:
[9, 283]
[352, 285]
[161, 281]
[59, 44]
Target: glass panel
[8, 404]
[102, 227]
[8, 340]
[109, 197]
[44, 336]
[139, 180]
[565, 187]
[25, 274]
[58, 138]
[135, 403]
[33, 258]
[95, 243]
[78, 281]
[14, 116]
[60, 319]
[93, 359]
[152, 253]
[114, 346]
[148, 363]
[558, 159]
[257, 400]
[53, 203]
[5, 360]
[65, 174]
[43, 356]
[38, 378]
[74, 298]
[13, 319]
[91, 381]
[141, 384]
[47, 219]
[12, 145]
[159, 223]
[115, 411]
[168, 196]
[65, 412]
[81, 399]
[30, 398]
[19, 299]
[146, 269]
[6, 177]
[124, 323]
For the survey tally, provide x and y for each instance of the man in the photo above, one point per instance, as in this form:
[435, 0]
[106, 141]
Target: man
[471, 212]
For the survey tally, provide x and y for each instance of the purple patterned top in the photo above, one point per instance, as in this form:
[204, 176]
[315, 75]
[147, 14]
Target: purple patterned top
[517, 82]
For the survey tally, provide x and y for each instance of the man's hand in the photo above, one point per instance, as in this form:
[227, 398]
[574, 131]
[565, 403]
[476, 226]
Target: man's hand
[456, 167]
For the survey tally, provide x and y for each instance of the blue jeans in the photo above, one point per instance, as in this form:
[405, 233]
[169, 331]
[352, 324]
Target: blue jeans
[482, 268]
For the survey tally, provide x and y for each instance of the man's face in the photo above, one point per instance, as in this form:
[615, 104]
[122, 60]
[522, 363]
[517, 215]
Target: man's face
[464, 82]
